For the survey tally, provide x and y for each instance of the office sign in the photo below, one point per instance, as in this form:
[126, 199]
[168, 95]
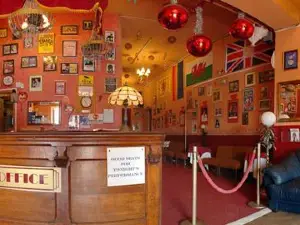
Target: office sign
[125, 166]
[39, 179]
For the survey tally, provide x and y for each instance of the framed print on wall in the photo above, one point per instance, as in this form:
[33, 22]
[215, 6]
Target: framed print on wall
[69, 30]
[290, 60]
[111, 55]
[10, 49]
[110, 84]
[3, 32]
[46, 43]
[110, 36]
[35, 83]
[249, 79]
[265, 104]
[69, 48]
[110, 68]
[8, 67]
[60, 87]
[87, 25]
[233, 111]
[28, 42]
[69, 68]
[201, 91]
[28, 62]
[50, 63]
[216, 95]
[234, 86]
[88, 64]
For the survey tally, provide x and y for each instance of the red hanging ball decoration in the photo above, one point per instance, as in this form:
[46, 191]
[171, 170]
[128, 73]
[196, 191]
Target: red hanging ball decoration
[241, 29]
[199, 45]
[173, 16]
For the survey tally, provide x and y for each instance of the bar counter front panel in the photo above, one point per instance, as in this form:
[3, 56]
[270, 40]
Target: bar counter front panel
[85, 197]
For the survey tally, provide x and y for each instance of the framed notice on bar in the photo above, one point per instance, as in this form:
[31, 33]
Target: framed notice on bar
[35, 179]
[125, 166]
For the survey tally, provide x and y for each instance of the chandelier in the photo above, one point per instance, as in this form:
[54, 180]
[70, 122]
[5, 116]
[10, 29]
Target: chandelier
[30, 20]
[143, 72]
[96, 47]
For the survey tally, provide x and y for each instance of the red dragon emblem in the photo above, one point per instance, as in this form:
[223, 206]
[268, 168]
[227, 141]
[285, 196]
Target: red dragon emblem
[198, 69]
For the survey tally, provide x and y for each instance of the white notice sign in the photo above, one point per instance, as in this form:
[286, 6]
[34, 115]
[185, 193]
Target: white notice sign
[125, 166]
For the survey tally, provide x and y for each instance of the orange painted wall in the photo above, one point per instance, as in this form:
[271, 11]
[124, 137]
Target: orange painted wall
[110, 22]
[220, 82]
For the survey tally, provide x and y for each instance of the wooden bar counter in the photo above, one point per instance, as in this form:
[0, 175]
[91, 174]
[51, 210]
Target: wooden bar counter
[84, 198]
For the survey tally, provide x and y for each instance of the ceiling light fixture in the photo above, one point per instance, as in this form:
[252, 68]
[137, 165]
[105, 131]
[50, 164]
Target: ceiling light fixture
[30, 20]
[143, 72]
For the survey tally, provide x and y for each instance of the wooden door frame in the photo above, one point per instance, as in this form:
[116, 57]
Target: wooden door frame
[15, 106]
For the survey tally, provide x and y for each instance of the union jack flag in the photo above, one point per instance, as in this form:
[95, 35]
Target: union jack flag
[241, 55]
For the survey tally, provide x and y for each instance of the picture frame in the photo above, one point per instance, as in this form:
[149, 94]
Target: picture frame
[69, 30]
[216, 95]
[290, 59]
[69, 48]
[234, 86]
[111, 55]
[249, 79]
[35, 83]
[110, 68]
[264, 93]
[245, 118]
[10, 49]
[264, 104]
[201, 91]
[88, 64]
[294, 135]
[218, 112]
[3, 32]
[29, 62]
[49, 63]
[46, 43]
[266, 76]
[87, 25]
[69, 68]
[248, 99]
[8, 67]
[233, 111]
[28, 42]
[60, 87]
[204, 114]
[110, 36]
[110, 84]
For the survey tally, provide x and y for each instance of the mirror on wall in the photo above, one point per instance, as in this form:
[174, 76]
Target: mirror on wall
[288, 101]
[44, 113]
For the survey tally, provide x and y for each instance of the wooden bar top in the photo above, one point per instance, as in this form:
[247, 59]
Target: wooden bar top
[85, 197]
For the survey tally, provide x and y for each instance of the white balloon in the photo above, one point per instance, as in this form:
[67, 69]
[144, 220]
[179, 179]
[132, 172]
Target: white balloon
[259, 33]
[268, 119]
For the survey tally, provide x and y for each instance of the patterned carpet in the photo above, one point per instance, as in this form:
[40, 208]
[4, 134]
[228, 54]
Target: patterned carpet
[279, 218]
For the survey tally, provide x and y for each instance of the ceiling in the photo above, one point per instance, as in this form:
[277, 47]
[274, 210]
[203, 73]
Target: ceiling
[142, 32]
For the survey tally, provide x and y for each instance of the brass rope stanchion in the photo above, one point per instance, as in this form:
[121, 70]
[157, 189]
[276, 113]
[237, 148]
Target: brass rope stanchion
[257, 204]
[195, 171]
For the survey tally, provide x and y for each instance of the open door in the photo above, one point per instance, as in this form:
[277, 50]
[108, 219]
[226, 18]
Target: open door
[1, 115]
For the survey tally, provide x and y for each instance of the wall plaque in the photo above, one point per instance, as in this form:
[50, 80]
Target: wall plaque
[38, 179]
[125, 166]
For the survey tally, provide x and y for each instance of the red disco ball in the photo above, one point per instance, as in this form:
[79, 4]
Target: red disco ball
[173, 16]
[199, 45]
[242, 29]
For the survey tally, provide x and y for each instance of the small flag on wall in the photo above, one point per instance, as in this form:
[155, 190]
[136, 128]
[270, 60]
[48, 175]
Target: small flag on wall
[180, 84]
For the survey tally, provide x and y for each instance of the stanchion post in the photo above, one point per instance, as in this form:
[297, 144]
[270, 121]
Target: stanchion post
[195, 173]
[257, 204]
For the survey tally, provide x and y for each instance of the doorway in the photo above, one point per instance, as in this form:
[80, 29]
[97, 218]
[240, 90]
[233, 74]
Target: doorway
[7, 111]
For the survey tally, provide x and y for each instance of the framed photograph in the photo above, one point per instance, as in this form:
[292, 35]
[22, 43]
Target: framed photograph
[3, 32]
[266, 76]
[290, 59]
[88, 64]
[87, 25]
[234, 86]
[69, 30]
[10, 49]
[248, 99]
[28, 62]
[8, 67]
[265, 104]
[209, 90]
[201, 91]
[110, 68]
[245, 118]
[60, 87]
[69, 68]
[264, 93]
[110, 36]
[28, 42]
[249, 79]
[111, 55]
[50, 63]
[218, 112]
[46, 43]
[217, 123]
[233, 111]
[204, 114]
[110, 84]
[294, 135]
[35, 83]
[216, 95]
[69, 48]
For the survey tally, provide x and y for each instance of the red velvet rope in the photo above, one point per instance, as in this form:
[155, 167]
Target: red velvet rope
[210, 181]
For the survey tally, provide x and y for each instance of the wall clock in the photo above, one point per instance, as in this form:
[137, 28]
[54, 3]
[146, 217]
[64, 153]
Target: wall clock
[8, 80]
[86, 102]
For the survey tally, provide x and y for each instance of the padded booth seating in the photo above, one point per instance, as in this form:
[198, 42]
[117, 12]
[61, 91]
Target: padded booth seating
[175, 152]
[229, 157]
[282, 184]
